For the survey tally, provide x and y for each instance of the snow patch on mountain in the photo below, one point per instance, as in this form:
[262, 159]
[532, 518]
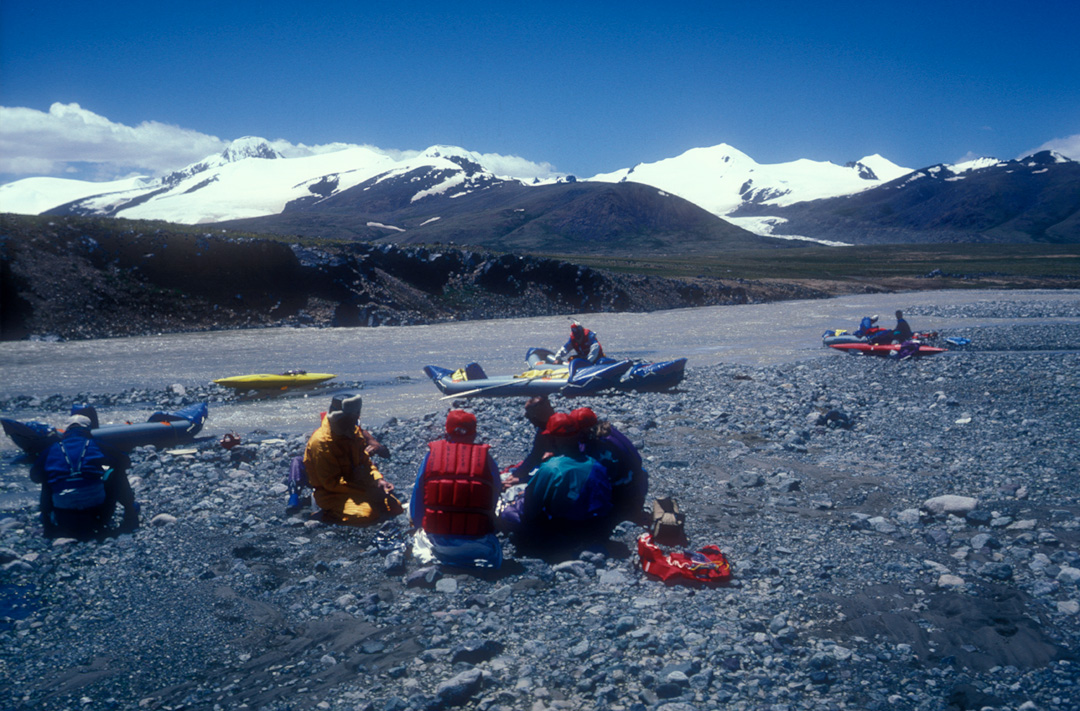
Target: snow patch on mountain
[721, 178]
[32, 196]
[764, 226]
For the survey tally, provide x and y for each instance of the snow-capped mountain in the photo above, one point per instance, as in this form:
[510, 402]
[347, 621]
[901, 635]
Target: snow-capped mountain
[722, 178]
[251, 179]
[248, 179]
[1035, 198]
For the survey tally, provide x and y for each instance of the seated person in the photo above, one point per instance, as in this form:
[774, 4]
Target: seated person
[582, 344]
[568, 495]
[537, 411]
[346, 484]
[453, 501]
[82, 480]
[618, 455]
[902, 331]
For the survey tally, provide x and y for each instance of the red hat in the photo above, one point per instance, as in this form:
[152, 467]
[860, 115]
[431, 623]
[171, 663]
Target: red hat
[561, 425]
[460, 424]
[586, 419]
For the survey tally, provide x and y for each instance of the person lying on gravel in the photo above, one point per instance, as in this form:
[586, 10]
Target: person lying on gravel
[537, 411]
[453, 500]
[568, 496]
[346, 484]
[82, 480]
[618, 455]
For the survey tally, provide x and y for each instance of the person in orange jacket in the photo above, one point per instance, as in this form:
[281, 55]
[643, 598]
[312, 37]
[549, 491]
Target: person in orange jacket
[347, 486]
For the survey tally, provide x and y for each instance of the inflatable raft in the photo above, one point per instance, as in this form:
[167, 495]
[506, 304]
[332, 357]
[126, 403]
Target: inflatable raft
[274, 381]
[545, 377]
[662, 375]
[162, 429]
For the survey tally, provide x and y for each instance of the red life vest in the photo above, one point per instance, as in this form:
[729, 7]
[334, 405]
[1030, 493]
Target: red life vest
[459, 491]
[584, 344]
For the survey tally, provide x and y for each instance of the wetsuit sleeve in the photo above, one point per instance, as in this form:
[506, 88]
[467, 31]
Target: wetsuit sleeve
[416, 501]
[534, 457]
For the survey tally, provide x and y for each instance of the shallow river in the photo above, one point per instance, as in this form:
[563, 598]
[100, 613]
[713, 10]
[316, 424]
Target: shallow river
[388, 360]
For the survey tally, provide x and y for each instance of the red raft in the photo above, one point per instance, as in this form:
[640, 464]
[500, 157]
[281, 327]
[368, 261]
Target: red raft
[884, 349]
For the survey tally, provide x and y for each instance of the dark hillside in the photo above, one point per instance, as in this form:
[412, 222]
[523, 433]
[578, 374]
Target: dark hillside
[566, 218]
[77, 277]
[1033, 200]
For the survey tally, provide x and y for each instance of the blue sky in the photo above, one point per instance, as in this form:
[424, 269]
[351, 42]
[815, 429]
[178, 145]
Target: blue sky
[586, 87]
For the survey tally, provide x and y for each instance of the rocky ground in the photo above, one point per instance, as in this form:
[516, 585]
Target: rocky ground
[856, 584]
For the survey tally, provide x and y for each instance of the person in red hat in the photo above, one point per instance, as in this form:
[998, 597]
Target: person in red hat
[582, 344]
[453, 500]
[629, 480]
[569, 494]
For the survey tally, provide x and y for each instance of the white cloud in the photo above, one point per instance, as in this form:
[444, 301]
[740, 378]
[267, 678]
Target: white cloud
[33, 142]
[71, 141]
[1068, 147]
[517, 167]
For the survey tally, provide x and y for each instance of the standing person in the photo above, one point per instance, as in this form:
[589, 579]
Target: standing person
[453, 500]
[347, 486]
[582, 344]
[537, 411]
[618, 455]
[82, 480]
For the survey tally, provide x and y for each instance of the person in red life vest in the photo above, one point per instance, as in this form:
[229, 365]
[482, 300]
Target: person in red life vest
[618, 455]
[537, 411]
[82, 480]
[453, 500]
[568, 496]
[582, 344]
[347, 486]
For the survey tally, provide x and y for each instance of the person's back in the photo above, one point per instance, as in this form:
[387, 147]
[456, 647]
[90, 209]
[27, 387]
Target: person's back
[453, 500]
[567, 489]
[81, 483]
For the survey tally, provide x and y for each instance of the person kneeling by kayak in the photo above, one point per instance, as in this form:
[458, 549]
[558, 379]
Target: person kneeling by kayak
[82, 480]
[582, 344]
[346, 484]
[568, 496]
[453, 501]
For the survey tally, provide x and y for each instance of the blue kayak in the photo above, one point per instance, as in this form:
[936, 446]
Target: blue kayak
[162, 429]
[546, 377]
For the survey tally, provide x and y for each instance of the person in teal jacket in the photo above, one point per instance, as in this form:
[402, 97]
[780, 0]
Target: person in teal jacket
[568, 495]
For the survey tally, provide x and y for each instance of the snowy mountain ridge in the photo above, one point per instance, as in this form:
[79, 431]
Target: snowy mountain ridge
[252, 179]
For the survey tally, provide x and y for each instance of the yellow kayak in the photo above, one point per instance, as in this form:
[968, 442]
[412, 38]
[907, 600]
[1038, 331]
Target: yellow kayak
[278, 381]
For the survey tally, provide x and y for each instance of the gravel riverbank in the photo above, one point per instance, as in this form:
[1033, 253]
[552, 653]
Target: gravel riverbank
[855, 586]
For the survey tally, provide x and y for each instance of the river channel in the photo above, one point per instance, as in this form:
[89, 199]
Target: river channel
[387, 361]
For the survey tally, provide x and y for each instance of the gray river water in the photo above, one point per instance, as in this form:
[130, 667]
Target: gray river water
[388, 360]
